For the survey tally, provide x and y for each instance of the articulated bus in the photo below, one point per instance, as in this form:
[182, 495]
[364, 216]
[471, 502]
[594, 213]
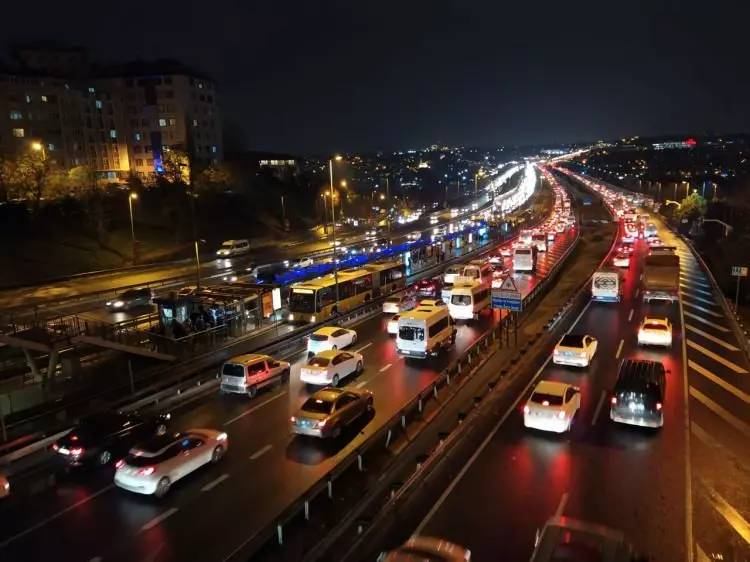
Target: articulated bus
[315, 300]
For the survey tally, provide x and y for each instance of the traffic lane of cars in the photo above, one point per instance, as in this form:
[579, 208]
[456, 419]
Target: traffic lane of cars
[596, 472]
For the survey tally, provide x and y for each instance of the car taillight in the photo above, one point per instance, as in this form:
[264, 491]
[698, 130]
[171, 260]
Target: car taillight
[120, 463]
[614, 400]
[77, 451]
[322, 423]
[561, 414]
[149, 470]
[293, 419]
[526, 409]
[658, 405]
[221, 437]
[55, 446]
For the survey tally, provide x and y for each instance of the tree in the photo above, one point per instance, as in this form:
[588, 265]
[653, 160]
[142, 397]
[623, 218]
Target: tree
[216, 177]
[692, 207]
[30, 172]
[176, 164]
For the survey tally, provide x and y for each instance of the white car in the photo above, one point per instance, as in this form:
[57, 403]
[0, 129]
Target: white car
[392, 326]
[622, 259]
[655, 331]
[303, 262]
[233, 248]
[329, 367]
[552, 406]
[399, 303]
[628, 237]
[506, 251]
[330, 337]
[574, 350]
[152, 467]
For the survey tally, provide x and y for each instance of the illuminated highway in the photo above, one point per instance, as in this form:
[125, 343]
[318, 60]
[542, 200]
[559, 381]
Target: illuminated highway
[264, 471]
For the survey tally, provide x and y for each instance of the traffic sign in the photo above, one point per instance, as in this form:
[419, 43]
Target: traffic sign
[507, 296]
[738, 271]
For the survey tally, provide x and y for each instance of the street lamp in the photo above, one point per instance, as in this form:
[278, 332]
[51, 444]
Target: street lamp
[132, 197]
[37, 146]
[333, 230]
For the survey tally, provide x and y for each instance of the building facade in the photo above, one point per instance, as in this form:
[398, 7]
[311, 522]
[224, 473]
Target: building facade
[119, 121]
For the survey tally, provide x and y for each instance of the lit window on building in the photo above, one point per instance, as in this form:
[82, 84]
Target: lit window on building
[19, 133]
[214, 149]
[162, 122]
[91, 90]
[15, 115]
[28, 98]
[172, 122]
[50, 146]
[138, 136]
[98, 104]
[112, 134]
[44, 99]
[195, 122]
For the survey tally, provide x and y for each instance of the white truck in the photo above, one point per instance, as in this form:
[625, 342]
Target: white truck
[605, 285]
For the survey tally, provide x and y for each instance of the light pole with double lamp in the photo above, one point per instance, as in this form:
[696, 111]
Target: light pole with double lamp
[132, 196]
[333, 230]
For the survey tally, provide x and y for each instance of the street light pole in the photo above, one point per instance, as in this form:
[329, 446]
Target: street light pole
[388, 201]
[195, 240]
[333, 223]
[131, 196]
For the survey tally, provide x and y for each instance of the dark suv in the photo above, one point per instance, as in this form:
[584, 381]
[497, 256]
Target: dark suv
[98, 438]
[638, 397]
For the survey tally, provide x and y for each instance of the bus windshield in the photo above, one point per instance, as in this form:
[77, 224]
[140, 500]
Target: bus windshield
[302, 302]
[464, 300]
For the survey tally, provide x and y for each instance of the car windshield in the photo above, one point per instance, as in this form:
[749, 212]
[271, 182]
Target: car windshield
[318, 362]
[570, 340]
[410, 333]
[302, 302]
[393, 300]
[142, 460]
[317, 406]
[233, 370]
[464, 300]
[652, 326]
[227, 246]
[550, 399]
[523, 252]
[319, 337]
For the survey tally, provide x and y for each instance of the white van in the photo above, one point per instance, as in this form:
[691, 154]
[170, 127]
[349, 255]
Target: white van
[524, 238]
[468, 298]
[451, 273]
[524, 258]
[233, 248]
[425, 331]
[477, 269]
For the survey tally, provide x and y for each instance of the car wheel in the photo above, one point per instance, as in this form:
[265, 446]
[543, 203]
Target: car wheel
[285, 376]
[354, 339]
[218, 454]
[162, 487]
[335, 380]
[252, 391]
[369, 406]
[359, 368]
[335, 347]
[161, 429]
[104, 457]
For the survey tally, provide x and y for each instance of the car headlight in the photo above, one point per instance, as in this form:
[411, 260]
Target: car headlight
[118, 304]
[312, 318]
[291, 316]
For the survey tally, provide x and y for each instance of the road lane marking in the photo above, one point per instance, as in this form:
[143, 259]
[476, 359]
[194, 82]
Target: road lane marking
[436, 506]
[598, 407]
[360, 384]
[702, 309]
[686, 426]
[385, 368]
[630, 316]
[707, 322]
[637, 292]
[718, 358]
[619, 349]
[729, 513]
[363, 347]
[719, 381]
[561, 505]
[689, 286]
[693, 296]
[260, 452]
[575, 323]
[212, 485]
[158, 519]
[254, 408]
[57, 515]
[714, 339]
[720, 411]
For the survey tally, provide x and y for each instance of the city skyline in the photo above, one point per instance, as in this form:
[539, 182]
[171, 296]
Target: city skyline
[395, 77]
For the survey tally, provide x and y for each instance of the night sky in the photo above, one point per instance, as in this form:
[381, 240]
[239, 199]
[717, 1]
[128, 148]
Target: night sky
[321, 76]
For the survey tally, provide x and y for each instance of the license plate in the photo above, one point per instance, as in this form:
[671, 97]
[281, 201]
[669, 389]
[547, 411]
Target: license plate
[635, 407]
[63, 451]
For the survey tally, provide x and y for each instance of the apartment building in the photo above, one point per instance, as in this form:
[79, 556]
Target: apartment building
[119, 120]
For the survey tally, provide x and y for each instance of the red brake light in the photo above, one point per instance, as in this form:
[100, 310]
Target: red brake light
[77, 451]
[120, 463]
[545, 403]
[55, 446]
[146, 471]
[561, 414]
[74, 438]
[614, 400]
[658, 405]
[526, 409]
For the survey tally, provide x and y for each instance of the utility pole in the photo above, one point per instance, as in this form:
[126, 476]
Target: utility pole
[192, 196]
[388, 201]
